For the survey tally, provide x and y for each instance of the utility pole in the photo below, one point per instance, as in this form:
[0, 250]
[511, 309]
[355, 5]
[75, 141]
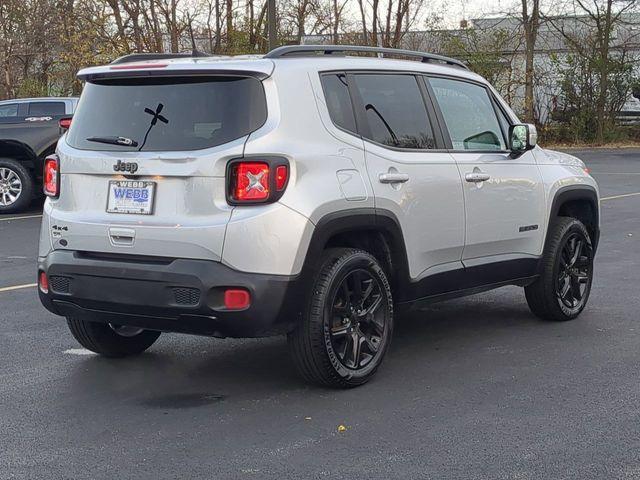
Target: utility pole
[271, 23]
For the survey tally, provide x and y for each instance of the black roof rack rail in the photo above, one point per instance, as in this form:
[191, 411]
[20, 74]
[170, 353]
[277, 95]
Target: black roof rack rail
[300, 50]
[141, 57]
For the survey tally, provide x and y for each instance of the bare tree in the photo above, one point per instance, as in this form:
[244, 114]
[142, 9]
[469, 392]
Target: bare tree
[530, 24]
[589, 34]
[229, 20]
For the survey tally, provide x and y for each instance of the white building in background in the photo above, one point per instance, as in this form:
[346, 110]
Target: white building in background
[503, 38]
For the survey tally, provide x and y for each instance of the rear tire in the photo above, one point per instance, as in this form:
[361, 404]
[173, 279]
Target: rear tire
[562, 290]
[103, 339]
[16, 186]
[347, 327]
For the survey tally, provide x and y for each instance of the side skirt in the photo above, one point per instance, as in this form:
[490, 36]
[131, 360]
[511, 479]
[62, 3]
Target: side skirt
[425, 301]
[468, 281]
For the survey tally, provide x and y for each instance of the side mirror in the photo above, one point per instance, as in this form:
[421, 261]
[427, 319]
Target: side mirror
[522, 137]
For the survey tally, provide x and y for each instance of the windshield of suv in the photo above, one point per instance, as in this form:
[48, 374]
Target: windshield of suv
[167, 114]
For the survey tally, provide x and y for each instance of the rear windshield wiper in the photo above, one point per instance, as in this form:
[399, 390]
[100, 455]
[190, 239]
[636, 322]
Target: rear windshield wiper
[123, 141]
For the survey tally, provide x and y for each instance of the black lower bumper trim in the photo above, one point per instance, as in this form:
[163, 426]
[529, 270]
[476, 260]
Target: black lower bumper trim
[151, 294]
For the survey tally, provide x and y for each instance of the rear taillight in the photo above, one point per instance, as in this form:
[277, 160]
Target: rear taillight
[43, 282]
[64, 123]
[259, 180]
[51, 176]
[251, 181]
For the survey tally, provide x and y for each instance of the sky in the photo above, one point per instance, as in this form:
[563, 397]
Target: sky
[455, 10]
[477, 8]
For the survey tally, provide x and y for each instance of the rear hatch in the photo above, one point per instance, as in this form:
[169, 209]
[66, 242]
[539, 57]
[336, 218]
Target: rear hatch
[143, 164]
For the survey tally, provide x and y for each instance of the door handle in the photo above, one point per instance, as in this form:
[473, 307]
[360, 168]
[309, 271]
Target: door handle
[122, 236]
[393, 177]
[477, 177]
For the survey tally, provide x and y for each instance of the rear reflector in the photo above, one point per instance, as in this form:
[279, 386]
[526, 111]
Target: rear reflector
[43, 282]
[64, 123]
[51, 176]
[236, 299]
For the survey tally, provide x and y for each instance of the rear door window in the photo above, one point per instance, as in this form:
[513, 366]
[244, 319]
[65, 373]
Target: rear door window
[8, 111]
[167, 114]
[395, 111]
[45, 108]
[469, 115]
[336, 92]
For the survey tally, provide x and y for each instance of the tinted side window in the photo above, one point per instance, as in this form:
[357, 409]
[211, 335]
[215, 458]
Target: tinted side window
[10, 110]
[336, 93]
[395, 111]
[469, 115]
[46, 108]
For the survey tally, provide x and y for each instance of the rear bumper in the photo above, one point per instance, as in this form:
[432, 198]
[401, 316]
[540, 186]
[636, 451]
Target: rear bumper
[172, 295]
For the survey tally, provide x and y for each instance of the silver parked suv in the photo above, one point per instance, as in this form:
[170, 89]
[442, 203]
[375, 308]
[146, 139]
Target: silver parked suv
[313, 192]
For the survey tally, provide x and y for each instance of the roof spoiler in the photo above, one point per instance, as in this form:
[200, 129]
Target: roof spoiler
[132, 65]
[142, 57]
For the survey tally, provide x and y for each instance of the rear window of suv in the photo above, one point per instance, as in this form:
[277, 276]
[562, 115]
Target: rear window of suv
[168, 114]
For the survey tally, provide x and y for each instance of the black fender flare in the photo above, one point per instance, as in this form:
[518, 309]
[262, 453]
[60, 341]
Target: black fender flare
[360, 219]
[572, 193]
[20, 152]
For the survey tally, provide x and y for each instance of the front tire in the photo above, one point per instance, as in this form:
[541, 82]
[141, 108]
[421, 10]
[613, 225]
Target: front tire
[16, 186]
[348, 323]
[562, 290]
[111, 340]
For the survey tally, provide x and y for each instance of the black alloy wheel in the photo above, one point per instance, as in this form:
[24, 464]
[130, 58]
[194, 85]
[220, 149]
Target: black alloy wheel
[357, 319]
[563, 286]
[575, 267]
[347, 325]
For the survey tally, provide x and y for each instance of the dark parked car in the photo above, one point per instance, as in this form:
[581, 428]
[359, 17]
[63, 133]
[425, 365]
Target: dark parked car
[29, 131]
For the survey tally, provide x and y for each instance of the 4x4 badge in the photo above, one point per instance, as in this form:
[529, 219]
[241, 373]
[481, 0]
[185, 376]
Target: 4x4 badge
[121, 166]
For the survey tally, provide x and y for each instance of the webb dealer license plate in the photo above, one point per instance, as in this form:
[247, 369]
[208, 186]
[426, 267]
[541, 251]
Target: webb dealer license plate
[131, 196]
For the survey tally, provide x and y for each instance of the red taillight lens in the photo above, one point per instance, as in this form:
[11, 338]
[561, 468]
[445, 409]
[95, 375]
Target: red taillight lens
[282, 175]
[256, 180]
[43, 282]
[236, 299]
[52, 176]
[251, 181]
[64, 123]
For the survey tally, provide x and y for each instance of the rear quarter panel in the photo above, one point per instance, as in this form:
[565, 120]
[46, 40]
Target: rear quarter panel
[327, 173]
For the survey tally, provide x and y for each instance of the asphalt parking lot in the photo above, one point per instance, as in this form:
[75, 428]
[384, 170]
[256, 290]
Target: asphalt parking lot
[475, 388]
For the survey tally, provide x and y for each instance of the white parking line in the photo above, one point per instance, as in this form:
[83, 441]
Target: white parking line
[624, 195]
[78, 351]
[6, 219]
[18, 287]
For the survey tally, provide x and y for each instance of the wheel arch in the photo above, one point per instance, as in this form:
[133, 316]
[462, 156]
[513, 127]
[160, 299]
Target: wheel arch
[374, 230]
[20, 152]
[581, 202]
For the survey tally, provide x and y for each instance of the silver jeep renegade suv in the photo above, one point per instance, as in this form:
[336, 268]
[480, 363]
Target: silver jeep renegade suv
[315, 192]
